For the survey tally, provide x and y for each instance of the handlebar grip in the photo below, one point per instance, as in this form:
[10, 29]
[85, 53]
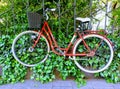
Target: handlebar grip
[53, 9]
[48, 9]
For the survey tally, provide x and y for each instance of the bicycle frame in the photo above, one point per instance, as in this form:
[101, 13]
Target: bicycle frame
[46, 32]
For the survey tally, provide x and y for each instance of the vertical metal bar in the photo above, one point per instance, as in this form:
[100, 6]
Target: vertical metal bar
[13, 14]
[22, 19]
[90, 23]
[27, 6]
[106, 7]
[90, 8]
[8, 23]
[74, 15]
[59, 15]
[67, 28]
[43, 5]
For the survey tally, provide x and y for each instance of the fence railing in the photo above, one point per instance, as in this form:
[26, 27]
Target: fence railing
[10, 22]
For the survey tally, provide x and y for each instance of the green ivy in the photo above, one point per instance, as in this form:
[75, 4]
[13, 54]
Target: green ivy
[66, 68]
[13, 72]
[112, 74]
[44, 72]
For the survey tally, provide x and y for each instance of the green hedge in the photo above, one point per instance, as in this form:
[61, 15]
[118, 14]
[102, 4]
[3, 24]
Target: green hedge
[112, 74]
[13, 72]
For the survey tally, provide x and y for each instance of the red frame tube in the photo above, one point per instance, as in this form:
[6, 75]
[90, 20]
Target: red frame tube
[46, 31]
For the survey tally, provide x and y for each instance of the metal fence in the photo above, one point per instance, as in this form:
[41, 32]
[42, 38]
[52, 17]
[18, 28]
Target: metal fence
[20, 24]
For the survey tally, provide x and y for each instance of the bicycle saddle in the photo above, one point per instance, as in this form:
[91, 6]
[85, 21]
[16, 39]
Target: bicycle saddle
[83, 19]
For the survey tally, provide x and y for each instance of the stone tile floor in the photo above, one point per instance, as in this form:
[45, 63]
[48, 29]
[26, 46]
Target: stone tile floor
[60, 84]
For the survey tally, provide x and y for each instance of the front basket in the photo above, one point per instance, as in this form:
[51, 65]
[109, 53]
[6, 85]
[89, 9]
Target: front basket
[34, 20]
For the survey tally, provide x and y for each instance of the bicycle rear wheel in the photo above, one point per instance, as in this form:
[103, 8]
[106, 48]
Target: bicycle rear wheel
[24, 53]
[102, 57]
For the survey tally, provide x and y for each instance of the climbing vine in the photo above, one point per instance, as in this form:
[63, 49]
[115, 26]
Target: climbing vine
[13, 72]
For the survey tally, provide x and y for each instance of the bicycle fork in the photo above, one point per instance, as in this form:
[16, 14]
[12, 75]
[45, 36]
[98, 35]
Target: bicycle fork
[31, 49]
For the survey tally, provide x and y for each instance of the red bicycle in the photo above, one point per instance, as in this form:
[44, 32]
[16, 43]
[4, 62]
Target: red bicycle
[91, 51]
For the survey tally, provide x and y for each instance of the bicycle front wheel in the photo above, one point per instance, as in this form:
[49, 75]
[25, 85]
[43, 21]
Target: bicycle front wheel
[24, 53]
[100, 60]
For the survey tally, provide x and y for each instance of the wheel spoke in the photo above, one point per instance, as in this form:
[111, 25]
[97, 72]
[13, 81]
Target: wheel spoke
[23, 51]
[101, 58]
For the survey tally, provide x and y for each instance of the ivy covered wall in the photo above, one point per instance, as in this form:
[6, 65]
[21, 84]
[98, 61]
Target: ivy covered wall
[13, 20]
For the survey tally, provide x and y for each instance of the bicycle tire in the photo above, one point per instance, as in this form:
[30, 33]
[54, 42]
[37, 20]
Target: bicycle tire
[21, 48]
[97, 61]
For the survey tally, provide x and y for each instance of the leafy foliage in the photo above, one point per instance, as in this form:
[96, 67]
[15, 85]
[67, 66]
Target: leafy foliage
[116, 11]
[45, 72]
[112, 74]
[14, 20]
[12, 71]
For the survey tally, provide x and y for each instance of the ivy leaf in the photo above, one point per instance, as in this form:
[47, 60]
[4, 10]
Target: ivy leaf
[119, 55]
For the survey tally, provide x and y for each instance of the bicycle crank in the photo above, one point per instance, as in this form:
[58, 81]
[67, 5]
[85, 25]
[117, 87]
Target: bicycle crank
[91, 54]
[31, 49]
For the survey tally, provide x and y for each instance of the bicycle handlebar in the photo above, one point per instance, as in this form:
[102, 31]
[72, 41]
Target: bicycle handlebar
[48, 9]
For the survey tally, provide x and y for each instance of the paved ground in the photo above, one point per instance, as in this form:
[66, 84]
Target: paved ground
[59, 84]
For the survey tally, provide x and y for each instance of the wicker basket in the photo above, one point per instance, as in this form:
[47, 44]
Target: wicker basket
[34, 20]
